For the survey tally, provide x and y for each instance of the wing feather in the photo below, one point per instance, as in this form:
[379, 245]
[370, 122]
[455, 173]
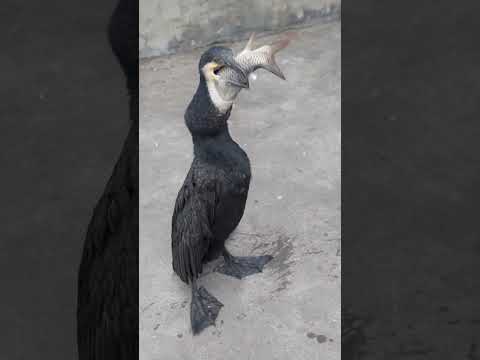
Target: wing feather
[191, 226]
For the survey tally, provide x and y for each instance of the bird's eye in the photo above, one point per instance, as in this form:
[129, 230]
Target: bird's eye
[218, 68]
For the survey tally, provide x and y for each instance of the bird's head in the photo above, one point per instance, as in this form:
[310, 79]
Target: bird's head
[215, 59]
[211, 62]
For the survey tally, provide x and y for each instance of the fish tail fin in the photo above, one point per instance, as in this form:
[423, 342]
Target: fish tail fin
[273, 48]
[279, 45]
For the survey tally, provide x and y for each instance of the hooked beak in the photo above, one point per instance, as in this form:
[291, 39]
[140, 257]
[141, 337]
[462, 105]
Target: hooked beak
[243, 78]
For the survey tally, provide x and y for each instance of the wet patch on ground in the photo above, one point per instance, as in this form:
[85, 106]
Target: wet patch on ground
[282, 250]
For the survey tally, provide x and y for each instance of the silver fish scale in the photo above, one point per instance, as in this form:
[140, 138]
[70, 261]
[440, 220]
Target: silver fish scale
[249, 61]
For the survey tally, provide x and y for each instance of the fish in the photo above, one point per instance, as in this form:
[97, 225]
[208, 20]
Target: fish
[250, 60]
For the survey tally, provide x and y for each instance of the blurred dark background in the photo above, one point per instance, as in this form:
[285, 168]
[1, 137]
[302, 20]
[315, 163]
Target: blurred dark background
[63, 119]
[411, 169]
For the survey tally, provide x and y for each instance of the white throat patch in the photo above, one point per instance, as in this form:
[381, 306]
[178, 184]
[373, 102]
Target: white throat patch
[220, 103]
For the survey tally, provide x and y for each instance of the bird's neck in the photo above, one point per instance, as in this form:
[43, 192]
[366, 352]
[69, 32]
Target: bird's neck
[220, 148]
[202, 117]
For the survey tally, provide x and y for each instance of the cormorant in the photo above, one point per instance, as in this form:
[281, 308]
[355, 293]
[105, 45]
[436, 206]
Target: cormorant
[212, 199]
[107, 308]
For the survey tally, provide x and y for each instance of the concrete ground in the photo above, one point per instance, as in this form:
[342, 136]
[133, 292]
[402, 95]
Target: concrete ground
[291, 132]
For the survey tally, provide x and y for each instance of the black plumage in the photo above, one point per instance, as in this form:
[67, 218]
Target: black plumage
[107, 306]
[212, 199]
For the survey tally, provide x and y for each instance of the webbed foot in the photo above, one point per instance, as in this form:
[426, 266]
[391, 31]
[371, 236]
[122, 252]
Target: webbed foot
[242, 266]
[204, 309]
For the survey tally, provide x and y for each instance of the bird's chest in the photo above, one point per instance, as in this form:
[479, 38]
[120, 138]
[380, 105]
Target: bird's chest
[236, 172]
[227, 163]
[235, 181]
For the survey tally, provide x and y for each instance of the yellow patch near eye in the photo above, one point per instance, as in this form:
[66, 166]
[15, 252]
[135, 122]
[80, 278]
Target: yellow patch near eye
[209, 69]
[214, 66]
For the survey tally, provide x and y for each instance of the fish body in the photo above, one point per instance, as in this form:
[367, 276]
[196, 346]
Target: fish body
[249, 60]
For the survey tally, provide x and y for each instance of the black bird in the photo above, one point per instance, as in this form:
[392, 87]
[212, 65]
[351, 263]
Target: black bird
[107, 306]
[212, 199]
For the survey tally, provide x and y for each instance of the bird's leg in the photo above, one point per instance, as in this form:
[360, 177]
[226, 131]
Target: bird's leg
[204, 308]
[241, 266]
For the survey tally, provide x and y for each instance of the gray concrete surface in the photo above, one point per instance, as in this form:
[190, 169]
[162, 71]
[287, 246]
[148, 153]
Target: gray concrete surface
[168, 25]
[291, 131]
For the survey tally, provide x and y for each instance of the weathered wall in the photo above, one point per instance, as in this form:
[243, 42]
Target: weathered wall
[167, 26]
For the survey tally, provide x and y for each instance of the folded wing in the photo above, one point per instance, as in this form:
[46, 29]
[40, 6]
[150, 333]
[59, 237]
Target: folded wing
[191, 226]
